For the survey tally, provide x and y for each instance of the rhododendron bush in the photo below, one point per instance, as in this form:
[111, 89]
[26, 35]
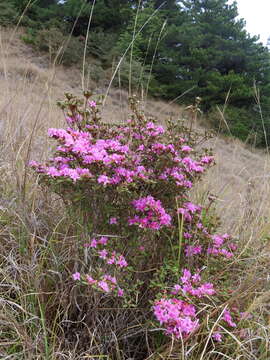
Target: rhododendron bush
[149, 245]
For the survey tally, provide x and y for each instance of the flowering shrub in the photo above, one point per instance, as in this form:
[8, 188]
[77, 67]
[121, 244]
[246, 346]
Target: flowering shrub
[129, 183]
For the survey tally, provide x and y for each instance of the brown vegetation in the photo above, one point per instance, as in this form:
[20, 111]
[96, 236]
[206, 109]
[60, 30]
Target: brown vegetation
[29, 89]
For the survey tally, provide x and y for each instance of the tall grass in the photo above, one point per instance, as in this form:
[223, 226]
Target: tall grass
[41, 311]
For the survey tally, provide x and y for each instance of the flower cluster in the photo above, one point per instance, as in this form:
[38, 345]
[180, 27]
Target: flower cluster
[111, 257]
[138, 152]
[155, 215]
[191, 285]
[221, 246]
[191, 215]
[106, 284]
[178, 317]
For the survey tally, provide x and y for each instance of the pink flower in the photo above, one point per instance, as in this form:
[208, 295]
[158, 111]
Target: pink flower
[76, 276]
[188, 309]
[193, 250]
[110, 278]
[196, 278]
[33, 163]
[186, 148]
[93, 243]
[104, 286]
[189, 281]
[52, 171]
[207, 289]
[92, 104]
[155, 216]
[232, 246]
[103, 254]
[176, 289]
[228, 318]
[178, 317]
[218, 240]
[207, 159]
[103, 179]
[113, 220]
[217, 336]
[111, 260]
[103, 240]
[120, 292]
[186, 276]
[121, 262]
[90, 280]
[70, 120]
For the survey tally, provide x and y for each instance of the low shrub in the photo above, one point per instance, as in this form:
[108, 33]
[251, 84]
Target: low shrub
[67, 50]
[100, 45]
[143, 250]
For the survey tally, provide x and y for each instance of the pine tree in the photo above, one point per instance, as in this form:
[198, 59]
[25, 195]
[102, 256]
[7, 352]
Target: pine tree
[208, 52]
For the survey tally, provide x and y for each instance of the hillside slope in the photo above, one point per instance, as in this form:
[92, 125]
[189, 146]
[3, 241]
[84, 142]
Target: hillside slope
[30, 87]
[38, 298]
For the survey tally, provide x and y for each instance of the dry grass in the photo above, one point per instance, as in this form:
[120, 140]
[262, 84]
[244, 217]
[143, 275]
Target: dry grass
[36, 245]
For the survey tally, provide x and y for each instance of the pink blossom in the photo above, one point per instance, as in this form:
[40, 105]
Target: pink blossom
[104, 286]
[52, 171]
[228, 318]
[187, 235]
[103, 240]
[217, 240]
[111, 260]
[33, 163]
[186, 276]
[156, 216]
[207, 159]
[103, 254]
[120, 292]
[93, 243]
[121, 262]
[217, 336]
[176, 289]
[113, 220]
[206, 289]
[193, 250]
[76, 276]
[92, 104]
[178, 317]
[232, 246]
[71, 173]
[110, 278]
[90, 280]
[196, 278]
[83, 172]
[103, 179]
[190, 281]
[186, 148]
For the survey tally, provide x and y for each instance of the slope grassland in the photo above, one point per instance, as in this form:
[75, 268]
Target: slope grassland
[30, 219]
